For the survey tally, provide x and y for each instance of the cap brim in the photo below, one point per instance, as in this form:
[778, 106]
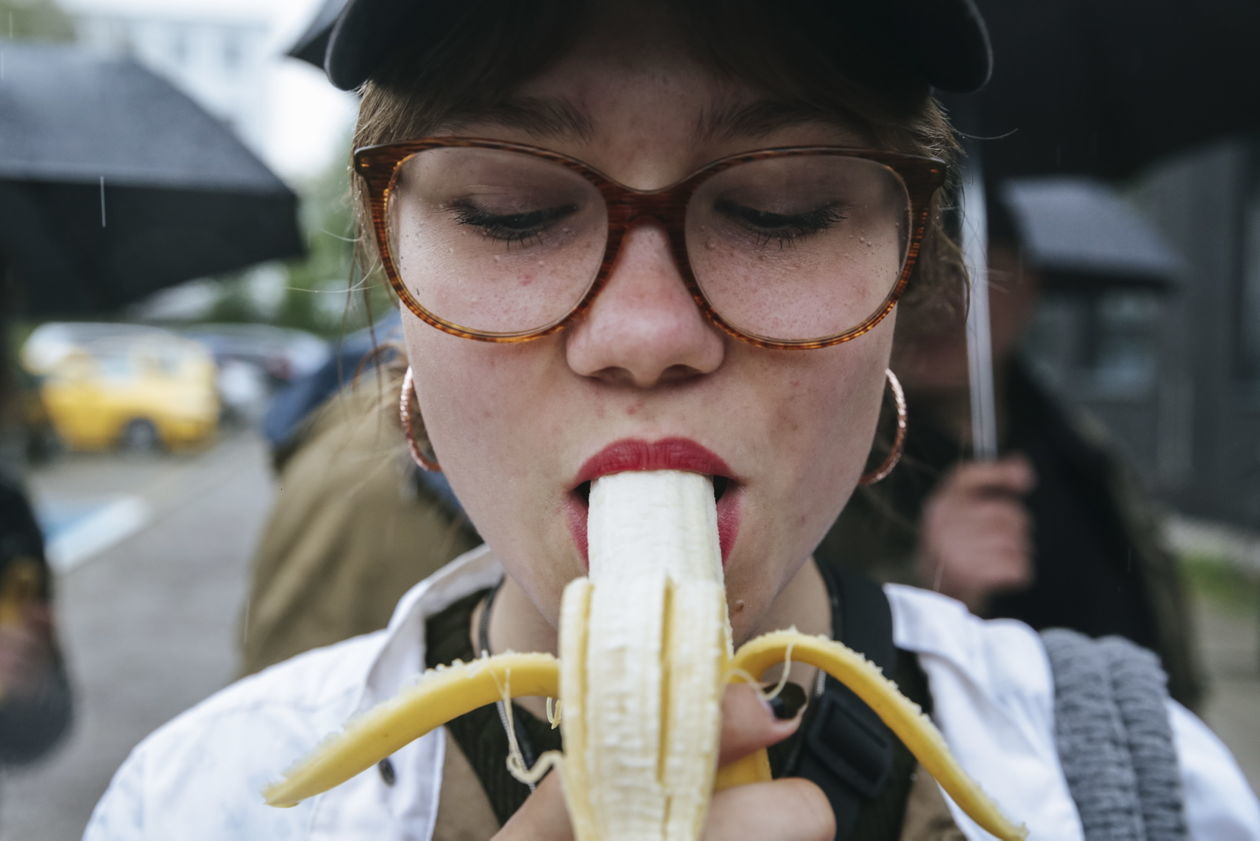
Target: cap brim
[945, 41]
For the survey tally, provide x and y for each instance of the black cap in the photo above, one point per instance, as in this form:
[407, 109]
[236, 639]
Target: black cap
[942, 42]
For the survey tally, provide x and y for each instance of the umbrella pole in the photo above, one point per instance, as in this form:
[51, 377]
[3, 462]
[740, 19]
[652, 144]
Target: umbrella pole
[979, 344]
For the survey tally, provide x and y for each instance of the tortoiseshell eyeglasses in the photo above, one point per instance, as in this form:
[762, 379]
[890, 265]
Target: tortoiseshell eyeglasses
[800, 247]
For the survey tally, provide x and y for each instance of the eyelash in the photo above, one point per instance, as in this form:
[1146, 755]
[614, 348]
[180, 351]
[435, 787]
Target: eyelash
[498, 226]
[799, 224]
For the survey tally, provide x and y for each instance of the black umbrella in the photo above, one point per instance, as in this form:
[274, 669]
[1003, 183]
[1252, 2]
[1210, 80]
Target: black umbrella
[1080, 234]
[311, 45]
[1104, 88]
[114, 184]
[1109, 87]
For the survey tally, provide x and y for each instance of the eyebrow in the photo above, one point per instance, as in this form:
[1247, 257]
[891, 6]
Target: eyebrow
[762, 117]
[538, 116]
[553, 117]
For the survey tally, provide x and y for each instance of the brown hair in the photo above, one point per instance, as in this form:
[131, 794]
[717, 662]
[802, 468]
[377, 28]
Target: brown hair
[490, 46]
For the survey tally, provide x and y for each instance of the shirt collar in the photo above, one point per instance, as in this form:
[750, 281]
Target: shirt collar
[398, 661]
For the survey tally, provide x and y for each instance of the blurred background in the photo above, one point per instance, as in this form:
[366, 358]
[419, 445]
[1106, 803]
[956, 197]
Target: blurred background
[137, 401]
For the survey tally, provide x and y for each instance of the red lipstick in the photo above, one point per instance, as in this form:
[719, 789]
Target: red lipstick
[666, 454]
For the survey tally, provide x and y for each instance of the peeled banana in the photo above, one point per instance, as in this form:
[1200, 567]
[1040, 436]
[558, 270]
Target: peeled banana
[645, 654]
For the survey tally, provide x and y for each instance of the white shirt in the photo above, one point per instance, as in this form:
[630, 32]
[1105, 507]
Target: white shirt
[200, 776]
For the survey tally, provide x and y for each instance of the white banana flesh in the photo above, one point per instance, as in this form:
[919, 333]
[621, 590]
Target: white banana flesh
[642, 743]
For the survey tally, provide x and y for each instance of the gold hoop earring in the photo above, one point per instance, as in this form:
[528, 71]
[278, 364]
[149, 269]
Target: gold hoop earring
[406, 398]
[899, 438]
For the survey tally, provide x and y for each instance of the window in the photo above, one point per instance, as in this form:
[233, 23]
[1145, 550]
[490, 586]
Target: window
[1106, 340]
[177, 44]
[1247, 326]
[231, 51]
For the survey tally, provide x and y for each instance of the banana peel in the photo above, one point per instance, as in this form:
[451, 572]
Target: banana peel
[645, 655]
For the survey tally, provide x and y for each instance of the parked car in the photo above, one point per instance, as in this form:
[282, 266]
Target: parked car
[53, 341]
[282, 354]
[142, 390]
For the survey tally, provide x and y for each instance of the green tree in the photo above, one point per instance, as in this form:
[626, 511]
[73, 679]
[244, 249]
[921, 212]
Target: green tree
[324, 290]
[34, 20]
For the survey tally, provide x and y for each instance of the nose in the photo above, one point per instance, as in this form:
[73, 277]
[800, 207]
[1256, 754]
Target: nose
[643, 328]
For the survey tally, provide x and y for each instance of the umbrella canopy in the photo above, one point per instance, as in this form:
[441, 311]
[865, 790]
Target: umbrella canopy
[312, 44]
[1081, 234]
[113, 184]
[1109, 87]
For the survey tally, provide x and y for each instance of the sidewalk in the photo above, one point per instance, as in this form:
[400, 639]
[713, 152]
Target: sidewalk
[1229, 639]
[1223, 572]
[1240, 546]
[148, 624]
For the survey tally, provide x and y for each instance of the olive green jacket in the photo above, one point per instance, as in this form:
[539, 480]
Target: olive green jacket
[351, 530]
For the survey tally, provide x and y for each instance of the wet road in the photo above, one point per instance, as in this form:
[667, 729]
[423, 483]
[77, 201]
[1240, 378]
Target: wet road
[148, 623]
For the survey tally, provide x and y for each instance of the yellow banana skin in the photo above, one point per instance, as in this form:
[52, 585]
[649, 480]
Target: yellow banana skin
[900, 714]
[446, 693]
[440, 695]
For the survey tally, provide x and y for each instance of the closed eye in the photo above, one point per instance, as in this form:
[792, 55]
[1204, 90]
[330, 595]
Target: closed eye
[511, 227]
[781, 227]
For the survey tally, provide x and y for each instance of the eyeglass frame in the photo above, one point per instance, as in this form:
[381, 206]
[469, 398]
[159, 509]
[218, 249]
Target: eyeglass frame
[627, 207]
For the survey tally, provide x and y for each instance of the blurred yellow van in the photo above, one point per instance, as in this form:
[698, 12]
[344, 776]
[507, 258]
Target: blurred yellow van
[135, 392]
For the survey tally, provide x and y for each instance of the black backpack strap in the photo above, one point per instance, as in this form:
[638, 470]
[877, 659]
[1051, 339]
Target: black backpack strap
[847, 751]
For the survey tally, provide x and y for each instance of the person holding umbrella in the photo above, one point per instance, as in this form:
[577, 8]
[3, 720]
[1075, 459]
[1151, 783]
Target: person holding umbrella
[1055, 533]
[681, 230]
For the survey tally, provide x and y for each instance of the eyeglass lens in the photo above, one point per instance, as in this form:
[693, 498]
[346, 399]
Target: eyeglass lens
[784, 248]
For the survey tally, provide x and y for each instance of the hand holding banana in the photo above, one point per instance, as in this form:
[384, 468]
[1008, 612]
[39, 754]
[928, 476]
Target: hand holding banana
[788, 809]
[645, 652]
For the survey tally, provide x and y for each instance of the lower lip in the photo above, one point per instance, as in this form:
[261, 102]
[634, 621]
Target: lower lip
[728, 516]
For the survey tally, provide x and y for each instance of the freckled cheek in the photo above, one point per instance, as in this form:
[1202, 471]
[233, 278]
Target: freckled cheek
[466, 396]
[824, 431]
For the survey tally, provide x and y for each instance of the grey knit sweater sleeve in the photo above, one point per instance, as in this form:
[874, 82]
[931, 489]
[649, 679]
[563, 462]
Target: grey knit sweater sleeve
[1114, 738]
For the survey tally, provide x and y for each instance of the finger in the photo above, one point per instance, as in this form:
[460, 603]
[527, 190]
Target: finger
[786, 810]
[748, 723]
[996, 551]
[1005, 568]
[997, 516]
[1012, 569]
[542, 817]
[991, 566]
[1012, 475]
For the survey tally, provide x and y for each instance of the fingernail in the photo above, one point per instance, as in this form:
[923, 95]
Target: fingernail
[788, 703]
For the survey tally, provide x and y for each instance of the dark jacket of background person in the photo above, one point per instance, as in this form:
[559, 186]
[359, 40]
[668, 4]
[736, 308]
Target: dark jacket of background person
[31, 721]
[351, 529]
[1100, 566]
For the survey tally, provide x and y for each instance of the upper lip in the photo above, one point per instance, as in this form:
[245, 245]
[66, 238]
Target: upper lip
[664, 454]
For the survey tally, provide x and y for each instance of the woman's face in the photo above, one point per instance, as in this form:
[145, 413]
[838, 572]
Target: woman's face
[513, 425]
